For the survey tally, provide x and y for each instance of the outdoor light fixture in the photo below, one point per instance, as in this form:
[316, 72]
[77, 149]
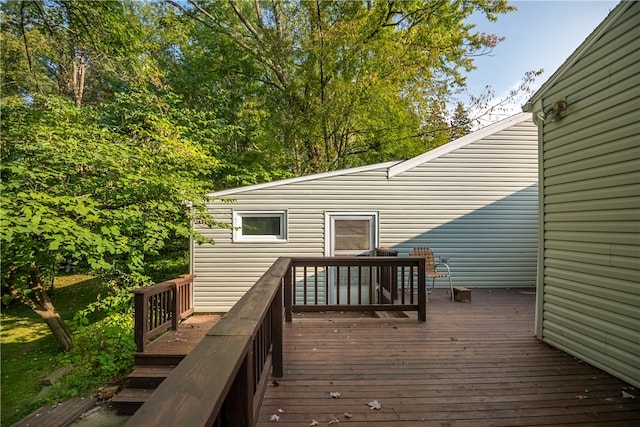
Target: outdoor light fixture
[556, 111]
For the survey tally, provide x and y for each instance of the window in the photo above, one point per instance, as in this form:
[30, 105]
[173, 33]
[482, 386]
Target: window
[351, 234]
[260, 226]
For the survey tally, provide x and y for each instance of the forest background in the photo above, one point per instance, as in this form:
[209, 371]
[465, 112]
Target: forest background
[119, 116]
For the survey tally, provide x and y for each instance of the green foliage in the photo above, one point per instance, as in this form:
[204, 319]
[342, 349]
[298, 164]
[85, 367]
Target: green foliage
[104, 187]
[116, 301]
[85, 51]
[461, 123]
[103, 351]
[100, 187]
[28, 350]
[335, 84]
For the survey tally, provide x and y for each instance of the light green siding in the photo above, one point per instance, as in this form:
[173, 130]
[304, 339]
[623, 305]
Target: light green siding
[473, 200]
[590, 192]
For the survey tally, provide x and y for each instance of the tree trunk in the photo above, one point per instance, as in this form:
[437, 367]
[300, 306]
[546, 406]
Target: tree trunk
[41, 304]
[58, 328]
[78, 78]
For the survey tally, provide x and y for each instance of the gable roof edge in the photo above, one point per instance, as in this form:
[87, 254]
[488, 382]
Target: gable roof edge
[595, 35]
[304, 178]
[457, 143]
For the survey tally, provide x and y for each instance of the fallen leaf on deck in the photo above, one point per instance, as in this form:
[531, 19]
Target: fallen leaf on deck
[274, 417]
[374, 404]
[335, 394]
[275, 383]
[348, 415]
[581, 397]
[280, 411]
[334, 420]
[627, 395]
[313, 423]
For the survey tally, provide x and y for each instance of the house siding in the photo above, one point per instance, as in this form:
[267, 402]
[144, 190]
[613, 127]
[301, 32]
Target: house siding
[590, 193]
[476, 205]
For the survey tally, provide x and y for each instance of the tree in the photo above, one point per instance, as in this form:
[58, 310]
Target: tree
[461, 123]
[106, 187]
[331, 75]
[78, 49]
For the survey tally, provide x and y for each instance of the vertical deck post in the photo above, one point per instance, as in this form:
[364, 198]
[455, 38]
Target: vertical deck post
[276, 335]
[239, 401]
[288, 294]
[422, 291]
[175, 306]
[140, 321]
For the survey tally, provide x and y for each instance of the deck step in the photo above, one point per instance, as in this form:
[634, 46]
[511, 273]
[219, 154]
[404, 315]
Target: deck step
[57, 415]
[150, 359]
[148, 377]
[129, 400]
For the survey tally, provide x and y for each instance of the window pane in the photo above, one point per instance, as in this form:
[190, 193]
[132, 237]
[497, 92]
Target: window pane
[351, 235]
[261, 226]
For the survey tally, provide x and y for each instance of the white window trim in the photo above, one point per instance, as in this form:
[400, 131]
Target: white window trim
[237, 226]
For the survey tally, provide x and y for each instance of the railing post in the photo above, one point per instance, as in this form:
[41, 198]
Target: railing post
[422, 291]
[288, 294]
[140, 321]
[239, 402]
[276, 335]
[175, 307]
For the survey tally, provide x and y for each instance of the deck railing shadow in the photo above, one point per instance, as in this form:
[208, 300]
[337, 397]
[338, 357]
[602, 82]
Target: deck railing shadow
[223, 380]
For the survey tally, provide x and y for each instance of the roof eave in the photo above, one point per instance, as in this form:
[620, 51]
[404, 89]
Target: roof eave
[312, 177]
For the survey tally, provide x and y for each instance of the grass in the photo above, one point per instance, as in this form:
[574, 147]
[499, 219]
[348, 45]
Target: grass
[29, 351]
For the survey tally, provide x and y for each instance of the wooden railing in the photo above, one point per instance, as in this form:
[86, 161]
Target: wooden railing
[223, 380]
[379, 283]
[161, 307]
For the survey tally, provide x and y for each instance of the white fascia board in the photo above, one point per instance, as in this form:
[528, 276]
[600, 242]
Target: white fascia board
[322, 175]
[534, 104]
[458, 143]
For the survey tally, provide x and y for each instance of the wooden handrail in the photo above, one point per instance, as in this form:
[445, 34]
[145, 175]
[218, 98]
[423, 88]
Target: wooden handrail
[161, 307]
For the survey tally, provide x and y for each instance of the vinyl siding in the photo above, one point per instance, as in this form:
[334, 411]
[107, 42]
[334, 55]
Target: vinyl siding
[591, 204]
[476, 205]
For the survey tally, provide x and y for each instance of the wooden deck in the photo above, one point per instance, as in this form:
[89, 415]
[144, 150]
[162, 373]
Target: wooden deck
[181, 341]
[470, 364]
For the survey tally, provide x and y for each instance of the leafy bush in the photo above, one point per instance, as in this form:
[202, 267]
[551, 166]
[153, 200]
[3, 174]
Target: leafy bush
[103, 354]
[104, 343]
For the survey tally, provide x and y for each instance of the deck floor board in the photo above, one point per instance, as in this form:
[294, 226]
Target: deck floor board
[470, 364]
[181, 341]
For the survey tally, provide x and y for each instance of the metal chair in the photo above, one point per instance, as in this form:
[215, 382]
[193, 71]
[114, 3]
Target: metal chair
[431, 267]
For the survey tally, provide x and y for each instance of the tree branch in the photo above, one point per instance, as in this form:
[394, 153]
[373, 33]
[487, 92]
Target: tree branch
[26, 46]
[192, 15]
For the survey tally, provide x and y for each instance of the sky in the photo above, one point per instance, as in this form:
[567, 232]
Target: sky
[540, 34]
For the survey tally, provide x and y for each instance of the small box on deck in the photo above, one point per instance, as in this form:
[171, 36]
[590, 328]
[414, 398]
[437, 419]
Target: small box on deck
[461, 294]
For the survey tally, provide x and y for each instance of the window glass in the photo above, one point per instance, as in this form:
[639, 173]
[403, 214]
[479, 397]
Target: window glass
[351, 234]
[259, 226]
